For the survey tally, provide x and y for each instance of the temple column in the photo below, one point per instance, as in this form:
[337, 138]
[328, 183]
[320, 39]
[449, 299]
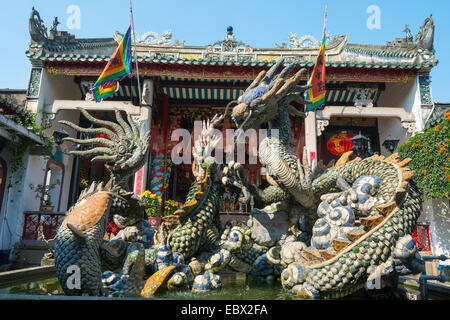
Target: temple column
[311, 138]
[140, 177]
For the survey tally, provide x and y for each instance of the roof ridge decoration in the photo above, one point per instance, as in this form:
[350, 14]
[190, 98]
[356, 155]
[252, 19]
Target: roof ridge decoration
[13, 105]
[38, 31]
[229, 45]
[425, 37]
[423, 41]
[309, 42]
[403, 51]
[153, 38]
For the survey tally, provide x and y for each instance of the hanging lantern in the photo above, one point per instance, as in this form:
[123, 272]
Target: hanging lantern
[104, 136]
[340, 143]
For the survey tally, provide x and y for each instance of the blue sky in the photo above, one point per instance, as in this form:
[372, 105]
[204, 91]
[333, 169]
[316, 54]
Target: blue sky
[202, 22]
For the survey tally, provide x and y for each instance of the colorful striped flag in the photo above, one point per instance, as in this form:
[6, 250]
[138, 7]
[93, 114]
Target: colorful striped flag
[108, 90]
[118, 67]
[317, 93]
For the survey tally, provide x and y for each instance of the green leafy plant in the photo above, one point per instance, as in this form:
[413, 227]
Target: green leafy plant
[429, 151]
[18, 145]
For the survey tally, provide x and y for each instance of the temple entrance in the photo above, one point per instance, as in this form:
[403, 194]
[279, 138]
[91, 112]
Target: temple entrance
[335, 139]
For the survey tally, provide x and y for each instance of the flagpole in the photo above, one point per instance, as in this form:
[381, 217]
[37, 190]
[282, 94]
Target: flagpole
[135, 52]
[311, 120]
[324, 27]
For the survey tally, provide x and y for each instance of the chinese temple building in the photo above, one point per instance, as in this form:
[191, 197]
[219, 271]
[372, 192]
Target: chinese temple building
[375, 90]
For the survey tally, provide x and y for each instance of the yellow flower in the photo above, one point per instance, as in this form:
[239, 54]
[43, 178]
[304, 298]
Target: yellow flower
[424, 171]
[145, 194]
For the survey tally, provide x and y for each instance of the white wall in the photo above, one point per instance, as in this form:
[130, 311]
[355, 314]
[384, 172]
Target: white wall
[437, 214]
[57, 87]
[404, 95]
[12, 217]
[392, 127]
[398, 95]
[401, 95]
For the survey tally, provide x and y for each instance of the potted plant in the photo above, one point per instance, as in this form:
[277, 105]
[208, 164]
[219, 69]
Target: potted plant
[43, 194]
[170, 206]
[154, 211]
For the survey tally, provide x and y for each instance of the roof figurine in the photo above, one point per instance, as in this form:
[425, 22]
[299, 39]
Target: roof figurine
[409, 36]
[55, 25]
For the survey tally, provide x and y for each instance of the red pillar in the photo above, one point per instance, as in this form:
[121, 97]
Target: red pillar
[165, 125]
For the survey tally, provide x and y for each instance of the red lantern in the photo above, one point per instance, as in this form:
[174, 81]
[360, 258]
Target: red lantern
[340, 143]
[104, 136]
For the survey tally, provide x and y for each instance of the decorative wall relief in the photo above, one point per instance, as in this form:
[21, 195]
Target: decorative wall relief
[362, 98]
[425, 92]
[35, 83]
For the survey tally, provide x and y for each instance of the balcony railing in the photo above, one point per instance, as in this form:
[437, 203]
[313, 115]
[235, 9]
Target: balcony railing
[421, 236]
[47, 222]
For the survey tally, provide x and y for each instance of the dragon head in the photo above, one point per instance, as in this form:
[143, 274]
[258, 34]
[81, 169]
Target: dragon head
[261, 101]
[124, 150]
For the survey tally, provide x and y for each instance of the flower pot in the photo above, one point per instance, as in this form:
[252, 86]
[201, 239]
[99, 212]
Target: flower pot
[47, 208]
[155, 221]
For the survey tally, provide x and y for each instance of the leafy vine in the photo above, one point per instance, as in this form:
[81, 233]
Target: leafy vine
[18, 145]
[429, 151]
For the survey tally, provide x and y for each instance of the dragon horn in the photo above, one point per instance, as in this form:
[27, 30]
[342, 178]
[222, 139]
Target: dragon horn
[286, 70]
[256, 82]
[105, 131]
[105, 158]
[91, 152]
[133, 125]
[109, 124]
[272, 71]
[122, 122]
[102, 141]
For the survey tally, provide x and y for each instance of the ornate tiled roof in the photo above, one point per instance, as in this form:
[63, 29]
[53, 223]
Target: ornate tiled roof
[151, 48]
[13, 101]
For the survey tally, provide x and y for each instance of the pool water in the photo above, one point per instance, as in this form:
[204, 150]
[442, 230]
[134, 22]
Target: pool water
[41, 285]
[233, 288]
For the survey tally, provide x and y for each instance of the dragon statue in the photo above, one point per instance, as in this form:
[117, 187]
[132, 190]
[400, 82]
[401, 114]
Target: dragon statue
[366, 208]
[118, 266]
[80, 237]
[342, 227]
